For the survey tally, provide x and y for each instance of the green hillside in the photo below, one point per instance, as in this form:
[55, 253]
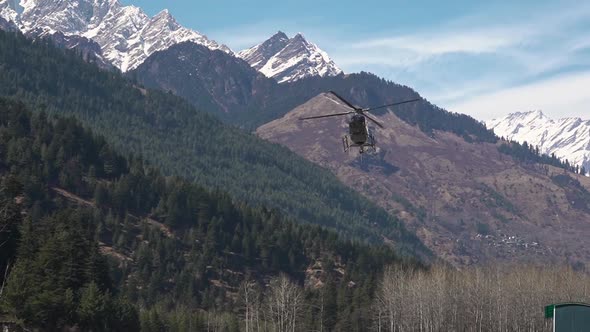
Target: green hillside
[94, 241]
[170, 134]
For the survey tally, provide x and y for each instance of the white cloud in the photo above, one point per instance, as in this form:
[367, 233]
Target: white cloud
[562, 96]
[489, 68]
[471, 35]
[485, 40]
[239, 41]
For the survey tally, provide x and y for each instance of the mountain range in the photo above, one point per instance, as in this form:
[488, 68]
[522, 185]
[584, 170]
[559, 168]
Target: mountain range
[566, 138]
[127, 36]
[415, 176]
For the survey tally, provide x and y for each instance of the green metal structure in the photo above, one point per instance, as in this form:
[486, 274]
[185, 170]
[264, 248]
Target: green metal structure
[569, 317]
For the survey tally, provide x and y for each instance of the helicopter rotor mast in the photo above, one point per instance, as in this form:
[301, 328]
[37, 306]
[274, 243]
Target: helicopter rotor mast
[373, 120]
[358, 110]
[326, 116]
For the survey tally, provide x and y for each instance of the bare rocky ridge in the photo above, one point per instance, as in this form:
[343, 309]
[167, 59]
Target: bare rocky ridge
[467, 202]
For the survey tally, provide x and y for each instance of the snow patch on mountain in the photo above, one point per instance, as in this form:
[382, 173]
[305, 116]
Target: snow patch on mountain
[126, 35]
[289, 59]
[10, 10]
[567, 138]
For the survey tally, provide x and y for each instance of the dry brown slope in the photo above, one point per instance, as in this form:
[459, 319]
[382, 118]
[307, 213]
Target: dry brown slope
[467, 202]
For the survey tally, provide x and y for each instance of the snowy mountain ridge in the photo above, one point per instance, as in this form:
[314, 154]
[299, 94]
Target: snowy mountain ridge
[126, 35]
[289, 59]
[567, 138]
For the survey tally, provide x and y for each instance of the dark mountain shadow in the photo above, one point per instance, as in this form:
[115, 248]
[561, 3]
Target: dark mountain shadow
[374, 162]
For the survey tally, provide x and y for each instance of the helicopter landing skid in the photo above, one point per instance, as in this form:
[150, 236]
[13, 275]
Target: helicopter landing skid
[368, 146]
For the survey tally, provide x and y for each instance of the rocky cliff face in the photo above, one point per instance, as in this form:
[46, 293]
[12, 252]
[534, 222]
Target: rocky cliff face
[469, 203]
[89, 49]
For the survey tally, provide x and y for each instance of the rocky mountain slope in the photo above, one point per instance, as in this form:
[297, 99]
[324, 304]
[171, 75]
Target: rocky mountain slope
[126, 35]
[89, 50]
[567, 138]
[466, 201]
[289, 59]
[211, 80]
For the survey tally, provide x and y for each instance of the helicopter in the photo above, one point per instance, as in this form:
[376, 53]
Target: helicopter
[359, 134]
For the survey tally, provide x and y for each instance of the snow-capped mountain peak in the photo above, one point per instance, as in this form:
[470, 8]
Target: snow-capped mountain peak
[259, 55]
[289, 59]
[515, 121]
[126, 35]
[164, 13]
[279, 36]
[567, 138]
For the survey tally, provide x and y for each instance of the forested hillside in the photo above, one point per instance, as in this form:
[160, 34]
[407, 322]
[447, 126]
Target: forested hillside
[169, 133]
[93, 240]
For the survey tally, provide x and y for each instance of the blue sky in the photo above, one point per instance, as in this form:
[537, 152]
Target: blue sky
[485, 59]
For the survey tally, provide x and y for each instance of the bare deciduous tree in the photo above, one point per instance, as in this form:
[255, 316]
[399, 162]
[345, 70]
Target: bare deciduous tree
[283, 304]
[476, 299]
[250, 298]
[6, 220]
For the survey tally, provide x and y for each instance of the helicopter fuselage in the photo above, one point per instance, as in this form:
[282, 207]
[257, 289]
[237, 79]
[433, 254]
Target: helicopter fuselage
[358, 130]
[358, 134]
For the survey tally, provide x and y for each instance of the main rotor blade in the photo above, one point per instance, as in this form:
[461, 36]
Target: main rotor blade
[344, 100]
[374, 121]
[326, 116]
[394, 104]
